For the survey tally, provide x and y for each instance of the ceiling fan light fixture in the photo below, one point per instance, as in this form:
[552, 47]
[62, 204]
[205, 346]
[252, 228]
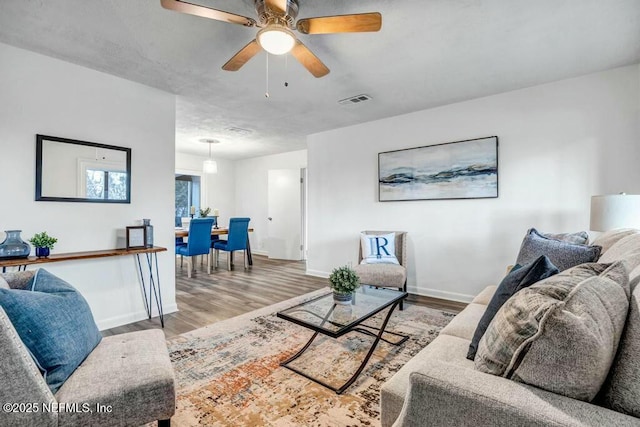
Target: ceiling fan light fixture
[276, 39]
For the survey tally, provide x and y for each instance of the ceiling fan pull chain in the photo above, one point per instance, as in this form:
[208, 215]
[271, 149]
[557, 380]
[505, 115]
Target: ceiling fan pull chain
[286, 70]
[266, 93]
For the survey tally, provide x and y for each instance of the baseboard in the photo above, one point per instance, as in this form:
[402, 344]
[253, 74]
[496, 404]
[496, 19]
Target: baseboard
[125, 319]
[259, 252]
[317, 273]
[435, 293]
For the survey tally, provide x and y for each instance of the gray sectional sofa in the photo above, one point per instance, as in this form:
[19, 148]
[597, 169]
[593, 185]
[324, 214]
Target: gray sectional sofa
[440, 386]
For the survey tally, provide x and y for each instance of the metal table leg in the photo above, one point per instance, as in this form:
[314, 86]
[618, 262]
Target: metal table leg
[154, 285]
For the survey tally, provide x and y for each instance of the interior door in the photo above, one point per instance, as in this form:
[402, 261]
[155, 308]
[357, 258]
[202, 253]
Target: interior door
[284, 214]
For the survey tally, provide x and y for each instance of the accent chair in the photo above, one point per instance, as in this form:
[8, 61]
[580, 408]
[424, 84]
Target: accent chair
[386, 275]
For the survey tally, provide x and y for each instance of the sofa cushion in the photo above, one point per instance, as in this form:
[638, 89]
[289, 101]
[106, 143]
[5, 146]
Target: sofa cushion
[622, 390]
[485, 295]
[561, 334]
[622, 249]
[381, 274]
[464, 324]
[130, 372]
[19, 279]
[563, 255]
[444, 348]
[609, 238]
[378, 248]
[519, 278]
[54, 322]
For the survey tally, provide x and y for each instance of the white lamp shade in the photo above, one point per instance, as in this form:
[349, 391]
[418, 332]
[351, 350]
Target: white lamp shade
[276, 40]
[210, 166]
[615, 211]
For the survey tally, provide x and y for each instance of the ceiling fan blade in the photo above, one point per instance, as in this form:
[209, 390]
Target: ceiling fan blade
[279, 6]
[207, 12]
[358, 23]
[242, 57]
[309, 60]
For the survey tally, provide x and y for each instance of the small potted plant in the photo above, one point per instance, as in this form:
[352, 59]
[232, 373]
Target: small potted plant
[43, 244]
[343, 281]
[204, 212]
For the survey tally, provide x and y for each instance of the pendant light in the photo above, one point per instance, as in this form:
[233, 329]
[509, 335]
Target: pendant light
[210, 166]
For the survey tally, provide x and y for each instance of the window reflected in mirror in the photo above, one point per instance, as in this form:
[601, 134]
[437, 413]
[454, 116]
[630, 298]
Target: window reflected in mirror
[80, 171]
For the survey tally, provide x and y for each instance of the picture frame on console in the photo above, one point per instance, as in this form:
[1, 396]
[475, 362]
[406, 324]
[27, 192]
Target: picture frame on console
[465, 169]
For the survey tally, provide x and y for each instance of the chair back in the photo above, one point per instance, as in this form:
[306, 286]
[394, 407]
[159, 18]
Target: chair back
[199, 241]
[401, 245]
[238, 234]
[178, 221]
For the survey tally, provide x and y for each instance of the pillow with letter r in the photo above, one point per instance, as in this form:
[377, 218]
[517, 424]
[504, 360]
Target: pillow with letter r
[55, 324]
[518, 278]
[378, 248]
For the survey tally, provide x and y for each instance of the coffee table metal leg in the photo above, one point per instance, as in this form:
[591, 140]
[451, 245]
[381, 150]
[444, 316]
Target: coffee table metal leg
[341, 389]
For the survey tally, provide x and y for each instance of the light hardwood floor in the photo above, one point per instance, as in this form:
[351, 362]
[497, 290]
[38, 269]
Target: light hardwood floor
[205, 299]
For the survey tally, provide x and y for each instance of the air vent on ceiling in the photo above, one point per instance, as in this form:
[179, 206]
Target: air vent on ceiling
[239, 131]
[355, 100]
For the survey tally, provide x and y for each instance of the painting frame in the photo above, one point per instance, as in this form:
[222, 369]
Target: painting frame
[459, 170]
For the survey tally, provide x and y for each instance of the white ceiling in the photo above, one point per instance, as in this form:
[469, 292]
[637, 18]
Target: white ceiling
[428, 53]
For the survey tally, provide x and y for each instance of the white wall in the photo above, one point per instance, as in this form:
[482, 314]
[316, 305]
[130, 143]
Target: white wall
[560, 143]
[252, 191]
[218, 190]
[43, 95]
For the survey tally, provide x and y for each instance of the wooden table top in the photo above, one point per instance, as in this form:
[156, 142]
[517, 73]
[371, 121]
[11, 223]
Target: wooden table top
[184, 232]
[77, 256]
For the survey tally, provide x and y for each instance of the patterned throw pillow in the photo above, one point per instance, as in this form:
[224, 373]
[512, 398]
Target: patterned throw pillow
[54, 322]
[560, 334]
[579, 238]
[518, 278]
[378, 248]
[562, 254]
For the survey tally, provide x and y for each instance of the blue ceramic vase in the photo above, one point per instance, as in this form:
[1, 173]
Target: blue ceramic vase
[13, 246]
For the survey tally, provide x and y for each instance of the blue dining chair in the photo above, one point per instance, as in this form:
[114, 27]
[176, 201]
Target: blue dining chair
[199, 242]
[179, 240]
[237, 241]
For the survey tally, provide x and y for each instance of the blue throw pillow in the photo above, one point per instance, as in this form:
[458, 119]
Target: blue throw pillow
[518, 278]
[562, 254]
[55, 324]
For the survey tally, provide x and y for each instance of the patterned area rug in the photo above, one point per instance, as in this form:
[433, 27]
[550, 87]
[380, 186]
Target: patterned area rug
[228, 373]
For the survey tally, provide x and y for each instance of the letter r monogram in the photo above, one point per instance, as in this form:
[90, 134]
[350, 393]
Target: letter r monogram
[379, 248]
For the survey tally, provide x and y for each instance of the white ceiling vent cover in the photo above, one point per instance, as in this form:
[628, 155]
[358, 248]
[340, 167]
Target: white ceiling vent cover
[355, 100]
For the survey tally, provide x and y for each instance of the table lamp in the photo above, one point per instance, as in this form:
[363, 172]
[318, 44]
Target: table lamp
[613, 211]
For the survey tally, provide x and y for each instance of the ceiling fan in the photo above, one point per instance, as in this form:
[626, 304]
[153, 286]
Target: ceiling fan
[276, 22]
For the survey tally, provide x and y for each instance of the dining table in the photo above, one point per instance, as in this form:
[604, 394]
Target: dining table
[184, 232]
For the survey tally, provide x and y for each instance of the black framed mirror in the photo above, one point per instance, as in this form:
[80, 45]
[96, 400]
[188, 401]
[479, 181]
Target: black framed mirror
[68, 170]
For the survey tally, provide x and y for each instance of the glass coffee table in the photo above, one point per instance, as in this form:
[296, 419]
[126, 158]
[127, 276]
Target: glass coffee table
[323, 316]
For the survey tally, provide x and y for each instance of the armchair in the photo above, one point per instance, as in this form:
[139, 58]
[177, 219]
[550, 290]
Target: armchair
[386, 275]
[130, 374]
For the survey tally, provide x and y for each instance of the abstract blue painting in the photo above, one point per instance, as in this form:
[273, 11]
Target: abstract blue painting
[454, 170]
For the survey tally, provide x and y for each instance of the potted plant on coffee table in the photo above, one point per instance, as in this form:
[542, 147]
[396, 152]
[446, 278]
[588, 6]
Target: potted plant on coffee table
[43, 244]
[343, 281]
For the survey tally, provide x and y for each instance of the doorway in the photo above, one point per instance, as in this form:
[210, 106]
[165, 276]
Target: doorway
[287, 211]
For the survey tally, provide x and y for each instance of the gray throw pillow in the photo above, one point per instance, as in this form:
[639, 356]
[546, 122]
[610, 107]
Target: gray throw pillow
[518, 278]
[579, 237]
[622, 390]
[563, 255]
[560, 334]
[3, 283]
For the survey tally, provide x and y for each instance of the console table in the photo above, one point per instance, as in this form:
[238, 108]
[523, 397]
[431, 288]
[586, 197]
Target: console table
[150, 261]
